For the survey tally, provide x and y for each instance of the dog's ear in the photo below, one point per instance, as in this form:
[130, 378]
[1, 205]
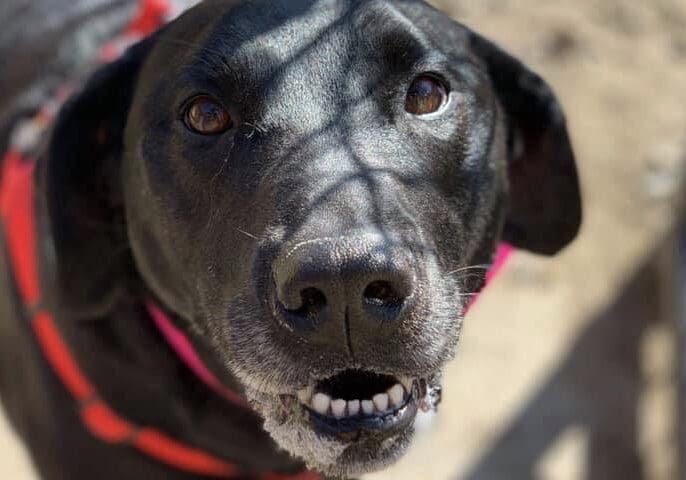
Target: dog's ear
[544, 200]
[83, 186]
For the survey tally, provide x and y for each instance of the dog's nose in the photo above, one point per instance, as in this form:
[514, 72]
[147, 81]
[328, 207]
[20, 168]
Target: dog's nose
[322, 285]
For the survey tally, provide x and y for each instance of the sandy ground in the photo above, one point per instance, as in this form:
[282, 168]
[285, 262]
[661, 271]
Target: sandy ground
[564, 370]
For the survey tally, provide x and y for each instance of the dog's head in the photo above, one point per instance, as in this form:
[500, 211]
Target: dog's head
[314, 187]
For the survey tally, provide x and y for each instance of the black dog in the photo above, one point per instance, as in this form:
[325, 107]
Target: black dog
[302, 186]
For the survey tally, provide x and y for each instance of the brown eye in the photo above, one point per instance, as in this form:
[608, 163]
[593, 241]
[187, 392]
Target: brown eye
[426, 95]
[207, 117]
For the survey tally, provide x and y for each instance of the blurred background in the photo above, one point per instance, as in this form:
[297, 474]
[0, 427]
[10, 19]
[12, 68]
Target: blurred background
[568, 367]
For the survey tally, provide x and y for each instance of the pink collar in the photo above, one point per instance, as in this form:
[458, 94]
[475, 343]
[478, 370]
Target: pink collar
[185, 350]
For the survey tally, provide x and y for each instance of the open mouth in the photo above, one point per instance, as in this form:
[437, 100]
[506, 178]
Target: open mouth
[356, 401]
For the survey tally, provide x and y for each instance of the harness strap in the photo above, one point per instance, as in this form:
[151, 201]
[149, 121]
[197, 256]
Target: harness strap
[16, 207]
[185, 350]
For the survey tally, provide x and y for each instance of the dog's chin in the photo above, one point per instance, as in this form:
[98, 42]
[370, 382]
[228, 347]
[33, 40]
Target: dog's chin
[340, 444]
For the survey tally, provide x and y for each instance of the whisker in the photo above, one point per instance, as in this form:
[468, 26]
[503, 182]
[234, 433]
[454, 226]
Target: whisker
[249, 235]
[211, 191]
[471, 267]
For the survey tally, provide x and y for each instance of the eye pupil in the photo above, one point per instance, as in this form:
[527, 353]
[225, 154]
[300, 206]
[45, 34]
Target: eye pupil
[206, 116]
[425, 95]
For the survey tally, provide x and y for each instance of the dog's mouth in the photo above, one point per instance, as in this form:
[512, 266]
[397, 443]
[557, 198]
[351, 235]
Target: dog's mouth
[356, 402]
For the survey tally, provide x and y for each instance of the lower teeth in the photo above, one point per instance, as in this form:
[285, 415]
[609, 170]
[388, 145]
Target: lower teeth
[380, 404]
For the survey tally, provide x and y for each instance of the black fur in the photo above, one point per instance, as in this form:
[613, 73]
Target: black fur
[135, 206]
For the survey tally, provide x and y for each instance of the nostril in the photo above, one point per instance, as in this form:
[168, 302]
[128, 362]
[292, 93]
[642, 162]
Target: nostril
[313, 302]
[382, 293]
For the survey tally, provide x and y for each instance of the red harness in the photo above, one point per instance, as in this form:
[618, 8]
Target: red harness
[18, 215]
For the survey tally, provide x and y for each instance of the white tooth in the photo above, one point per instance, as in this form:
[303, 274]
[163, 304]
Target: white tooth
[305, 395]
[396, 394]
[320, 403]
[353, 408]
[407, 383]
[380, 401]
[367, 407]
[338, 408]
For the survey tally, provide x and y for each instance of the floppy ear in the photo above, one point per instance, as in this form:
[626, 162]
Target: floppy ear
[544, 201]
[83, 186]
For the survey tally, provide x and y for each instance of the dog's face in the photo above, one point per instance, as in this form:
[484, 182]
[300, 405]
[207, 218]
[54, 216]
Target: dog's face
[314, 187]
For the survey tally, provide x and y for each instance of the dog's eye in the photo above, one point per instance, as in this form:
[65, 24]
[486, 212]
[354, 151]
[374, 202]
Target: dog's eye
[426, 95]
[207, 117]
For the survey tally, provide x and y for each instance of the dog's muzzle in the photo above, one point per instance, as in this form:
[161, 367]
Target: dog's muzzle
[326, 288]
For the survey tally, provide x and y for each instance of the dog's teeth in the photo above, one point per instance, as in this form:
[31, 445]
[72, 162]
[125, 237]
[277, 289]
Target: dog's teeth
[353, 408]
[338, 408]
[320, 403]
[407, 383]
[305, 395]
[396, 394]
[367, 407]
[380, 401]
